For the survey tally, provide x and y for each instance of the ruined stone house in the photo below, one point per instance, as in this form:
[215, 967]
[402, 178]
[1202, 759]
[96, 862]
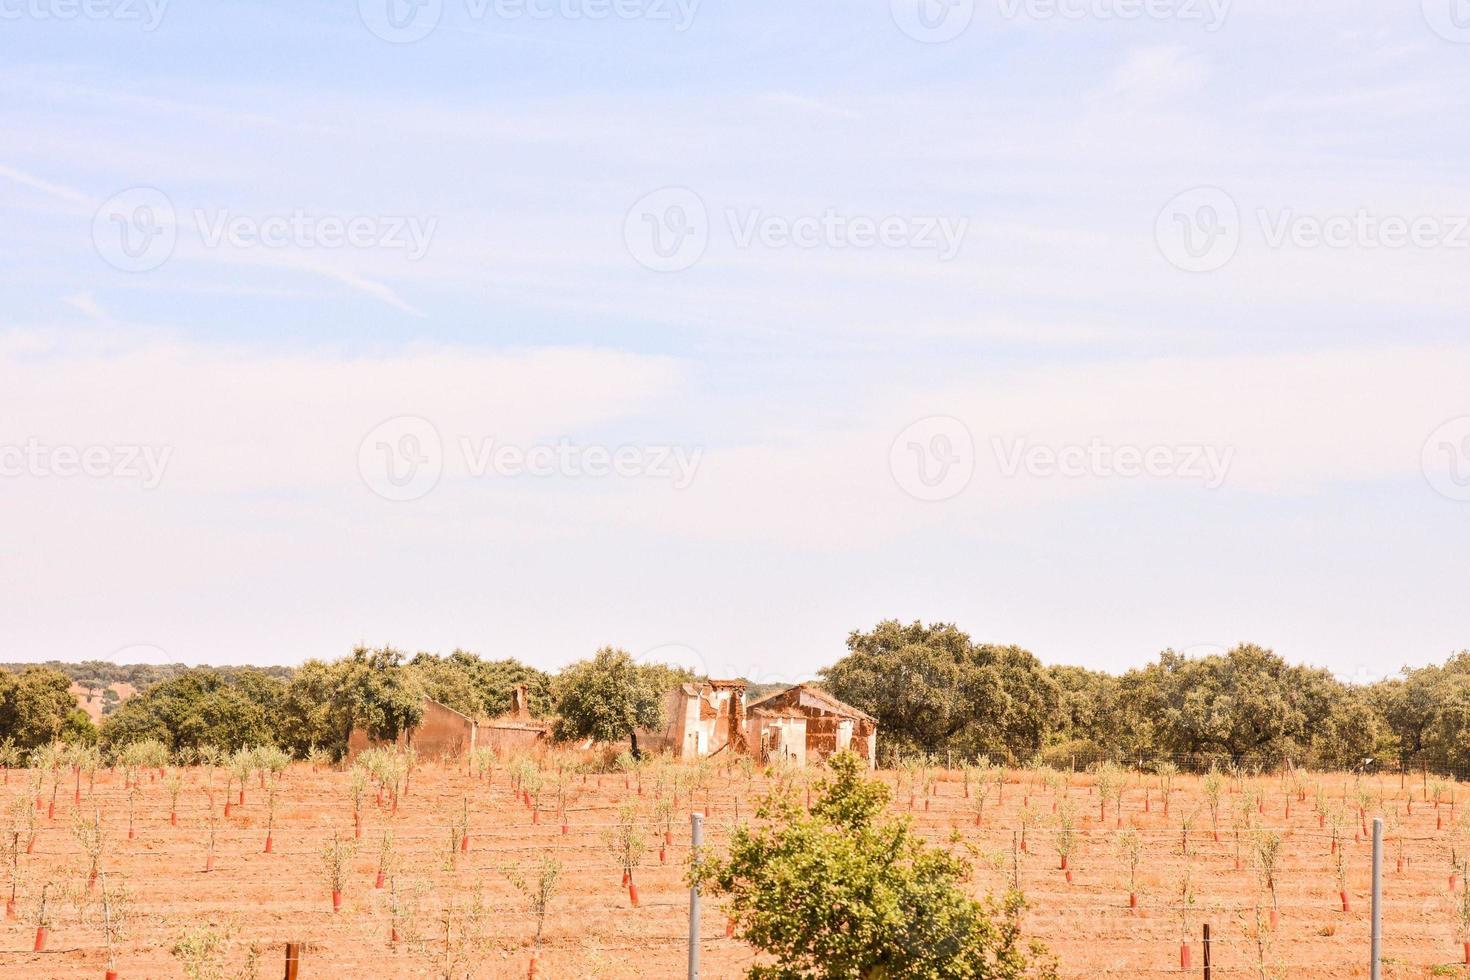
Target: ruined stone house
[795, 725]
[443, 731]
[830, 726]
[701, 719]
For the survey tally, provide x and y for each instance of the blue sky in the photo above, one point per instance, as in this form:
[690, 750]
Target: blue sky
[1105, 236]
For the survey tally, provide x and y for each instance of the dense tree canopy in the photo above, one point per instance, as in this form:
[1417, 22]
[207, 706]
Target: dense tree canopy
[229, 709]
[611, 696]
[36, 707]
[934, 690]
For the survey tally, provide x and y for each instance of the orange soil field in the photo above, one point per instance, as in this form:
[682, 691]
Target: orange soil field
[593, 931]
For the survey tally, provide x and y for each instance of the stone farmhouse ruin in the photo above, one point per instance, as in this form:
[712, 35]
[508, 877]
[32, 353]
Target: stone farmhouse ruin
[798, 724]
[445, 732]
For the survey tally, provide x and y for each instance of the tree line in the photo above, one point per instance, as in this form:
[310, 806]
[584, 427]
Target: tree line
[934, 690]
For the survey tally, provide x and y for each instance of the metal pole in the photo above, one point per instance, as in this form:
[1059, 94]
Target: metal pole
[1377, 945]
[696, 838]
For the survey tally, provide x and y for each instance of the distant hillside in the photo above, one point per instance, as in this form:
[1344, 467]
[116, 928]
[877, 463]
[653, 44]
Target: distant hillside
[101, 673]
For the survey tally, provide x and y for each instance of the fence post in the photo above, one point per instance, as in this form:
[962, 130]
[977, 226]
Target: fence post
[696, 838]
[293, 960]
[1207, 951]
[1376, 970]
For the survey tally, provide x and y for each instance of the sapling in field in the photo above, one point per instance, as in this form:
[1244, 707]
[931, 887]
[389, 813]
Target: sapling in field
[1242, 820]
[537, 889]
[561, 787]
[1065, 837]
[241, 766]
[117, 907]
[663, 821]
[272, 761]
[1341, 876]
[357, 781]
[49, 759]
[272, 801]
[42, 918]
[86, 760]
[211, 832]
[532, 783]
[462, 826]
[385, 858]
[173, 783]
[1184, 907]
[92, 840]
[1130, 852]
[1267, 852]
[1110, 779]
[1026, 817]
[463, 938]
[1462, 913]
[206, 952]
[1167, 771]
[1187, 821]
[134, 791]
[1214, 786]
[986, 778]
[336, 856]
[627, 839]
[1263, 943]
[36, 781]
[20, 822]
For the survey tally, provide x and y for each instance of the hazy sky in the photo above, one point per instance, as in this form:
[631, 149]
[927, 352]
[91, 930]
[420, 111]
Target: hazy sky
[716, 330]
